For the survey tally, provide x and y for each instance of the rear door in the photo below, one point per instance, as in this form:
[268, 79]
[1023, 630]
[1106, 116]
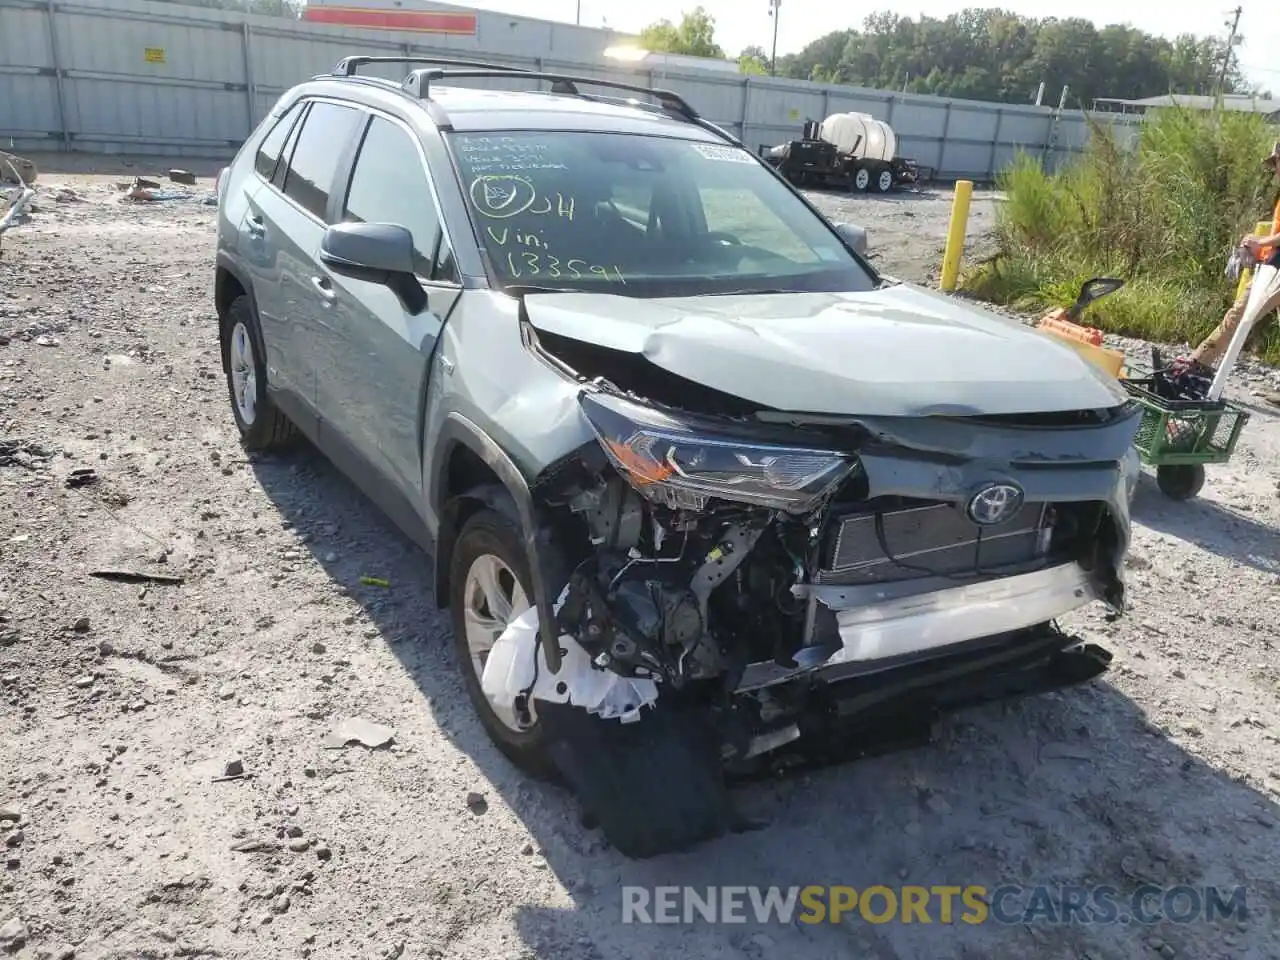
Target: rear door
[256, 248]
[373, 356]
[290, 217]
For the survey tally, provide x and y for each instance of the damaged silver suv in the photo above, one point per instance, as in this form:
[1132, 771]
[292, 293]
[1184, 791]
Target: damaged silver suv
[706, 494]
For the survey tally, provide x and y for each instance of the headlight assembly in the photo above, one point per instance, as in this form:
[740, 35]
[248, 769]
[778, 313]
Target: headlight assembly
[679, 463]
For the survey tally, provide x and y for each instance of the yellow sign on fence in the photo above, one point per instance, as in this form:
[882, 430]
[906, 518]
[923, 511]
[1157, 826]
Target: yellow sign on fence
[153, 54]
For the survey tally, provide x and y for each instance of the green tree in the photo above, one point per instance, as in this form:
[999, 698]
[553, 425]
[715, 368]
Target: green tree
[694, 37]
[266, 8]
[992, 54]
[754, 60]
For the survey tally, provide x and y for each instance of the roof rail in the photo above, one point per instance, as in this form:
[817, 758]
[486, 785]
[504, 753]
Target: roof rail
[348, 66]
[418, 83]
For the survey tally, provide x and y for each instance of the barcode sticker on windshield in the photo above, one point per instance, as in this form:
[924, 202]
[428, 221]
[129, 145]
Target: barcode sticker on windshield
[727, 154]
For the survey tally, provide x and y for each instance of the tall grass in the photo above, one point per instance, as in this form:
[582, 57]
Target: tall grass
[1163, 212]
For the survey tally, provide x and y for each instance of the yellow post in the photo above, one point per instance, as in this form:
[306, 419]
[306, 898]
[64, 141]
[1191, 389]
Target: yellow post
[1261, 229]
[955, 234]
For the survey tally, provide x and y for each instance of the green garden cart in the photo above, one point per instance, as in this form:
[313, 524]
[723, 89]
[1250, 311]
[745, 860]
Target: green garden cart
[1179, 437]
[1180, 431]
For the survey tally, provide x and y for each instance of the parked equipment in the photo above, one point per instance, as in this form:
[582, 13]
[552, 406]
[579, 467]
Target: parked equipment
[851, 150]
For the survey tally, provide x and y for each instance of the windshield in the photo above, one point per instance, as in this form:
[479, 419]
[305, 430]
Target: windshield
[643, 216]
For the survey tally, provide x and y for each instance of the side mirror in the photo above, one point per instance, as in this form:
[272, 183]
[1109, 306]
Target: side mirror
[855, 237]
[376, 253]
[1092, 291]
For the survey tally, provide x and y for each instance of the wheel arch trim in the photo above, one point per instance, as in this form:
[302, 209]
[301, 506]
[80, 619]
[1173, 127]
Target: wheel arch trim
[458, 430]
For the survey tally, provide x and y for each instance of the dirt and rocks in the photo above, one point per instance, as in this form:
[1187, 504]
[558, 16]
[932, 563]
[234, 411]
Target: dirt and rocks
[167, 788]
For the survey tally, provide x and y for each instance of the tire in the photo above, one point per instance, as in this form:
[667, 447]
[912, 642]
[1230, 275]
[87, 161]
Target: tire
[261, 424]
[861, 180]
[1180, 482]
[884, 180]
[490, 534]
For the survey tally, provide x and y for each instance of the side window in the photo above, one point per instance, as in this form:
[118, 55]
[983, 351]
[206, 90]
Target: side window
[273, 143]
[287, 154]
[743, 215]
[315, 157]
[389, 185]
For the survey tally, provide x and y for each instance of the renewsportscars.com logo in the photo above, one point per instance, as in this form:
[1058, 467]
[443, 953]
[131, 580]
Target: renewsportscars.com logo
[972, 904]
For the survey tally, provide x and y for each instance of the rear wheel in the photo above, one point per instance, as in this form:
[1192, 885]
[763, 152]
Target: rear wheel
[261, 424]
[861, 179]
[884, 180]
[1181, 481]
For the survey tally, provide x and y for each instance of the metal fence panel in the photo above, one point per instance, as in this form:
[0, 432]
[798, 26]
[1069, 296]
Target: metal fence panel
[132, 75]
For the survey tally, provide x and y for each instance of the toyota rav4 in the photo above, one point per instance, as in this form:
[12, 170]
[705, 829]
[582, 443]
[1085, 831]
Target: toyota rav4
[705, 492]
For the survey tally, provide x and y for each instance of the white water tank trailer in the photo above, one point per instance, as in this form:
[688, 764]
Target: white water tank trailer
[852, 150]
[861, 136]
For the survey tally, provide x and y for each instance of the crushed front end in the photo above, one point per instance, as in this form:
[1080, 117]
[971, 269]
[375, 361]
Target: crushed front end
[792, 574]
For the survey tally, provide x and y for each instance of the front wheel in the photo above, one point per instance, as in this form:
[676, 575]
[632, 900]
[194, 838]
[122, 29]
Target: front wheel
[489, 587]
[1181, 481]
[884, 181]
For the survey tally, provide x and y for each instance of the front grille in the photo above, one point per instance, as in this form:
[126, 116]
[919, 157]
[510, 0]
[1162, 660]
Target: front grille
[928, 539]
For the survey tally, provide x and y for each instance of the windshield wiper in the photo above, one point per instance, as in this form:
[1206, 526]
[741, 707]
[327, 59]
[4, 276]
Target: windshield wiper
[752, 291]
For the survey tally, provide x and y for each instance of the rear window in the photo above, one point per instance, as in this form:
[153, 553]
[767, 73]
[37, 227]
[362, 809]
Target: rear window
[643, 216]
[269, 152]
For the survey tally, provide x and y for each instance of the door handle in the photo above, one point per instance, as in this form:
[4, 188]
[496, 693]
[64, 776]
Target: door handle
[324, 288]
[255, 226]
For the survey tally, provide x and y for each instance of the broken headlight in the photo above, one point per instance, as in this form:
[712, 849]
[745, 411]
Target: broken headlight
[681, 462]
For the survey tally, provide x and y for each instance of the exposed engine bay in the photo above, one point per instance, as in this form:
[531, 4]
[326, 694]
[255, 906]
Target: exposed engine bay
[761, 567]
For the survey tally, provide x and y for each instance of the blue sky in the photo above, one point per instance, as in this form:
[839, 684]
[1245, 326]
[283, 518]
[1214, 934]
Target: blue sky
[740, 23]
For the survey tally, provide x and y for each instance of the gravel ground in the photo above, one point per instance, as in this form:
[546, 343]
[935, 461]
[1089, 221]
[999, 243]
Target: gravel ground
[124, 705]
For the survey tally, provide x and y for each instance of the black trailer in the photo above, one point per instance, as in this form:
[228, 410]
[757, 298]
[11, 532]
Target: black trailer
[814, 162]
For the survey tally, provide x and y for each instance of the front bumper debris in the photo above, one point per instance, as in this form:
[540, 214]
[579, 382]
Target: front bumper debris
[517, 671]
[878, 630]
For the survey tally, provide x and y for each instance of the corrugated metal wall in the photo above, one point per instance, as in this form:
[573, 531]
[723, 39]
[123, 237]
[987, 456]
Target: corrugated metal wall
[123, 76]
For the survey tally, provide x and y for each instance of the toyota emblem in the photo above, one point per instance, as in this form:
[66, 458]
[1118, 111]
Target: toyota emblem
[994, 504]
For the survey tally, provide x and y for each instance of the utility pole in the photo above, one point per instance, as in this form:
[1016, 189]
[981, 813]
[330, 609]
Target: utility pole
[1234, 24]
[579, 20]
[774, 7]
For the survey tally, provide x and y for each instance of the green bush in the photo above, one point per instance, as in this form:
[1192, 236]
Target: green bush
[1164, 213]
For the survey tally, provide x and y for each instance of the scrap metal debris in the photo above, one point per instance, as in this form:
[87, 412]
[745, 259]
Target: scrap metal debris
[254, 846]
[23, 453]
[359, 730]
[234, 770]
[148, 191]
[183, 176]
[135, 576]
[25, 194]
[16, 169]
[84, 477]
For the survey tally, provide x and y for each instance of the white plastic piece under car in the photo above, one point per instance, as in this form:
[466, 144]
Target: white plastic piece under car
[510, 669]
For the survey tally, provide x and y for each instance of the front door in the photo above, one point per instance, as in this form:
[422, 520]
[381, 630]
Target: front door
[372, 355]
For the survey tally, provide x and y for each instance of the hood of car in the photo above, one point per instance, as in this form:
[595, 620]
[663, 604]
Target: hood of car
[896, 351]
